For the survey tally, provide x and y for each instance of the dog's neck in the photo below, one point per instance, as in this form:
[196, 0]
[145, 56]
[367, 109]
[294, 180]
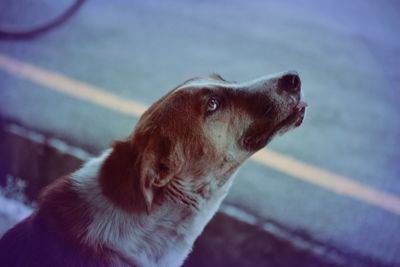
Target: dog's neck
[162, 238]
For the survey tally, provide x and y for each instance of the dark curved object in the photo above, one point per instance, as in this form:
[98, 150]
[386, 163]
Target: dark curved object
[31, 33]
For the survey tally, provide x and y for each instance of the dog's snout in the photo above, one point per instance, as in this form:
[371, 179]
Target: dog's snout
[290, 83]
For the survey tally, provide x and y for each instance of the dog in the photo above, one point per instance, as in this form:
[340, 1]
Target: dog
[144, 201]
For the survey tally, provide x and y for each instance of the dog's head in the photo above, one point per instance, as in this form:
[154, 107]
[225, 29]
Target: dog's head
[187, 144]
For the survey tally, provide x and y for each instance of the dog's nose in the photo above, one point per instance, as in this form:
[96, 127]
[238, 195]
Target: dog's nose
[290, 82]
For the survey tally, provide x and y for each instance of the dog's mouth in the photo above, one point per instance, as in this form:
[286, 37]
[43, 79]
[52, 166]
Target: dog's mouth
[257, 137]
[296, 116]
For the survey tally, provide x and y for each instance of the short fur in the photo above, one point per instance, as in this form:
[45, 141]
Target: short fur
[144, 201]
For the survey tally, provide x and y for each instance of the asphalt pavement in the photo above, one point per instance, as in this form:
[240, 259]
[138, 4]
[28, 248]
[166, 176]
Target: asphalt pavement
[347, 54]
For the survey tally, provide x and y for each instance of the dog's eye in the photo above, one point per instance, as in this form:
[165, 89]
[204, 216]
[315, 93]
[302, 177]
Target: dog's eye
[212, 105]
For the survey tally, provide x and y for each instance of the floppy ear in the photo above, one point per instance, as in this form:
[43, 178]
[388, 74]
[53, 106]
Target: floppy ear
[119, 179]
[156, 169]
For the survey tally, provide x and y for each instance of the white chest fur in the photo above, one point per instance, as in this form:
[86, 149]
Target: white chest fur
[162, 238]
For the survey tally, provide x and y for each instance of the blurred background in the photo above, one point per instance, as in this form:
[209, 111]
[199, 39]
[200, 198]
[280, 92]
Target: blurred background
[325, 194]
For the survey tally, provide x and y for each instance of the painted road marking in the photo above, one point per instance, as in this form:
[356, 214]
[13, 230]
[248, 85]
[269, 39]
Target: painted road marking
[295, 168]
[74, 88]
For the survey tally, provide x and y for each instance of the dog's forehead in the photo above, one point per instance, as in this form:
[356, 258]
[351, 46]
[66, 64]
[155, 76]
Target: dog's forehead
[240, 95]
[216, 81]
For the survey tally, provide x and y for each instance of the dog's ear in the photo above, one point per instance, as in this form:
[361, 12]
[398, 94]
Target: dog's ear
[156, 169]
[119, 177]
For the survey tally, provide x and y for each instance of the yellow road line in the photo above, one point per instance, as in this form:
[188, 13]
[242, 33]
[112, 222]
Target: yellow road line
[300, 170]
[333, 182]
[74, 88]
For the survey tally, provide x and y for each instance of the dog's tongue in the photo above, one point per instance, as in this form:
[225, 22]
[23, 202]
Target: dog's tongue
[302, 104]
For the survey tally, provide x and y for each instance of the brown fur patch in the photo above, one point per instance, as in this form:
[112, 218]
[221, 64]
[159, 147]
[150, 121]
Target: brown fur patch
[63, 210]
[119, 178]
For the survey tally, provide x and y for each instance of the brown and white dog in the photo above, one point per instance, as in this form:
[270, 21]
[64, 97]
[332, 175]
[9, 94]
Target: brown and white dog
[145, 201]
